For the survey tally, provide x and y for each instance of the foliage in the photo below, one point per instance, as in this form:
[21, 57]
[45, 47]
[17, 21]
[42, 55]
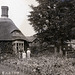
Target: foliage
[6, 47]
[43, 65]
[53, 20]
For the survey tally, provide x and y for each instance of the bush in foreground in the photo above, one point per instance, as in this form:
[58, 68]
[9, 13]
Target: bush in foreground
[43, 65]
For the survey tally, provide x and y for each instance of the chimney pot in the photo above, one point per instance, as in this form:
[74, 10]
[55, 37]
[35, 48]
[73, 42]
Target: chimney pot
[4, 11]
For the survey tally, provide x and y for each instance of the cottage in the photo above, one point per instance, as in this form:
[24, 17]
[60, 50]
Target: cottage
[11, 38]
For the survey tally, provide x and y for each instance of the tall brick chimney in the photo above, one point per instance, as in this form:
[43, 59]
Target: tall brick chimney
[4, 11]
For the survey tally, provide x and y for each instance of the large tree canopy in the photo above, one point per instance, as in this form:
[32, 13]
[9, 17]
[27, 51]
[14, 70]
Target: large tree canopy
[53, 20]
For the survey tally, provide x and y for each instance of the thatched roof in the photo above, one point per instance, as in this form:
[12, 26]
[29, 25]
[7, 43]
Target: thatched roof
[6, 28]
[32, 38]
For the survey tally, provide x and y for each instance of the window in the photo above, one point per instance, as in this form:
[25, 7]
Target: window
[18, 46]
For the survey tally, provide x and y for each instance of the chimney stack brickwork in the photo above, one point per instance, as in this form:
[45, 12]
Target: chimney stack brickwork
[4, 11]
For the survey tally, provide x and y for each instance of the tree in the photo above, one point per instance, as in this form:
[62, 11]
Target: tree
[53, 20]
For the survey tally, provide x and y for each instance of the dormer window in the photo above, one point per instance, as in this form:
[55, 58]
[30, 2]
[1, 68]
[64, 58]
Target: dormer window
[16, 33]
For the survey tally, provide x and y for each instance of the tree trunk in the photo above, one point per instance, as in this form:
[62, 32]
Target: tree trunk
[55, 49]
[60, 51]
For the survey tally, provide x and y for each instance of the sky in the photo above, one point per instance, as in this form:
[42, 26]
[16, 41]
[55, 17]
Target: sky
[18, 11]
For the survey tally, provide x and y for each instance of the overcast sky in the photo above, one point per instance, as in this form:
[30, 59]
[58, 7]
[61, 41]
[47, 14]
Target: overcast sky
[18, 11]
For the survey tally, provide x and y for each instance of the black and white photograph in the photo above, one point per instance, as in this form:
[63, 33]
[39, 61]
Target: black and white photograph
[37, 37]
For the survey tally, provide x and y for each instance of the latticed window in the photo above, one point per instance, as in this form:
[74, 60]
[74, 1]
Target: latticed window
[18, 46]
